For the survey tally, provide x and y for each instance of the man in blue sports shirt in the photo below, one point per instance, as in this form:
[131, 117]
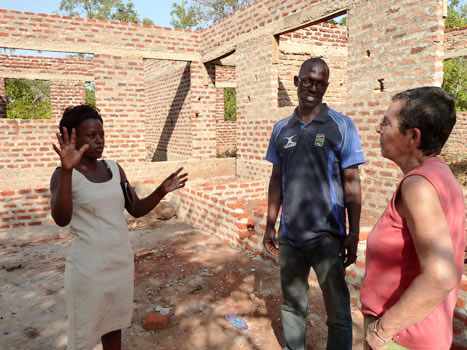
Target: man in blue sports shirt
[315, 154]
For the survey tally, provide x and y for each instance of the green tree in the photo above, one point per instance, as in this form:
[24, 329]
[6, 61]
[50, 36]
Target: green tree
[202, 13]
[90, 93]
[341, 20]
[116, 10]
[455, 80]
[230, 104]
[28, 99]
[183, 15]
[457, 14]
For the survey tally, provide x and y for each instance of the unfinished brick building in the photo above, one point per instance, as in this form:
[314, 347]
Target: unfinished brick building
[160, 93]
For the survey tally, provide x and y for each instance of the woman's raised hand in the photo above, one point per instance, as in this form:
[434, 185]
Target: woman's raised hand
[174, 181]
[69, 155]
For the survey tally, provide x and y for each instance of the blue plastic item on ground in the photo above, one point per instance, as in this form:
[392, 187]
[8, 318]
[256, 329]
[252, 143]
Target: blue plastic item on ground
[236, 321]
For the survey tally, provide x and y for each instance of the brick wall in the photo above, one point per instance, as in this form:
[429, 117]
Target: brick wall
[226, 136]
[255, 16]
[236, 212]
[73, 34]
[257, 97]
[66, 76]
[324, 40]
[204, 114]
[398, 43]
[456, 144]
[168, 110]
[455, 42]
[391, 46]
[226, 132]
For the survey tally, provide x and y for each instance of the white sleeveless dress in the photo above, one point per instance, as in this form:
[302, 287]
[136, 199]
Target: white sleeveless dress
[99, 269]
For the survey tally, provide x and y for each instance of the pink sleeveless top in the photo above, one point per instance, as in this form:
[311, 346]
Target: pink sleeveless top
[392, 263]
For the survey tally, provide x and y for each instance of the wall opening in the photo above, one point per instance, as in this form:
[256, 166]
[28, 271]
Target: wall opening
[327, 40]
[28, 99]
[230, 104]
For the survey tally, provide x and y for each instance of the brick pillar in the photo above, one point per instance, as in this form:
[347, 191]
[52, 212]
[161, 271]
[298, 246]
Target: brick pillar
[203, 114]
[257, 105]
[120, 98]
[393, 46]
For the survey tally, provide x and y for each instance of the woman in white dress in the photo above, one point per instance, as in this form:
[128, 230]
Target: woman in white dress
[87, 194]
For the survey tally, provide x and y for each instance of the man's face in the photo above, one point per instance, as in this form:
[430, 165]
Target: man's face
[311, 84]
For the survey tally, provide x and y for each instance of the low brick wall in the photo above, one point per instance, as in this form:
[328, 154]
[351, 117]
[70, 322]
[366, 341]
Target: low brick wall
[236, 213]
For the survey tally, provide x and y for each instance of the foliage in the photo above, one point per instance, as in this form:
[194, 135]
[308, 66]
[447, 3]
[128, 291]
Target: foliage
[90, 93]
[455, 80]
[230, 104]
[230, 153]
[116, 10]
[457, 14]
[28, 99]
[341, 20]
[183, 15]
[201, 13]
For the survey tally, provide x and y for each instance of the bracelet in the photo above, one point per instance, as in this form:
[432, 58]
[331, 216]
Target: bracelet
[354, 234]
[375, 329]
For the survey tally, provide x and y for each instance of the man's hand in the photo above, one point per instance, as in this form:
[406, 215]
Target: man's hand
[349, 250]
[270, 243]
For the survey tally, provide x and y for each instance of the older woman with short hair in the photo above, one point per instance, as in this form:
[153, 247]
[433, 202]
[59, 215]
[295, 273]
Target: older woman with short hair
[415, 252]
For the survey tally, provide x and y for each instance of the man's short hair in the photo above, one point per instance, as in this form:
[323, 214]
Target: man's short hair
[313, 60]
[431, 110]
[75, 115]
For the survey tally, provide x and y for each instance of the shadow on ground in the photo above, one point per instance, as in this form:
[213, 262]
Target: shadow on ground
[196, 275]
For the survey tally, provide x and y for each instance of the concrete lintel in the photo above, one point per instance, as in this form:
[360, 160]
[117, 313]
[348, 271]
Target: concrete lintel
[59, 46]
[455, 53]
[45, 76]
[226, 84]
[312, 14]
[299, 48]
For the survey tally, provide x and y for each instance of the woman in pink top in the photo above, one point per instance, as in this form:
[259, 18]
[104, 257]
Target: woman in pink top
[415, 253]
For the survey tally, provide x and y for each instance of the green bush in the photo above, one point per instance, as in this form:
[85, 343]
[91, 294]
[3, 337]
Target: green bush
[230, 104]
[455, 80]
[28, 99]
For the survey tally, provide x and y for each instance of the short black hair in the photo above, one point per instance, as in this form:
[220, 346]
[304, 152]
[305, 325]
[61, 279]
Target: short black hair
[75, 115]
[313, 60]
[431, 110]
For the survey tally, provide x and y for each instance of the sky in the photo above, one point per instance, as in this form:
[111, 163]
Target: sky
[157, 10]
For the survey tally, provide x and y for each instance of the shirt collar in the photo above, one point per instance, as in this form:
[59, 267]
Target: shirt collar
[321, 117]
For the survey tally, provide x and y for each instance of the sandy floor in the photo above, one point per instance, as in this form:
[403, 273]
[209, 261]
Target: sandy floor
[178, 267]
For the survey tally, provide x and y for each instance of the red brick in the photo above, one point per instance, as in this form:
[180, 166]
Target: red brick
[155, 321]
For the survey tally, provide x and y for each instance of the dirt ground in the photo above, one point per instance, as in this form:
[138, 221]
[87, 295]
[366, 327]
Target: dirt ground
[198, 277]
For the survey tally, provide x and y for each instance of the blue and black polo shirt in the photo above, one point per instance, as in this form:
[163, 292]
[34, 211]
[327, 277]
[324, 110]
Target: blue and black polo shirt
[312, 158]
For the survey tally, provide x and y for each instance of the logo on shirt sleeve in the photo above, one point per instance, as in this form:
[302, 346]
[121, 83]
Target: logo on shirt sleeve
[319, 140]
[290, 142]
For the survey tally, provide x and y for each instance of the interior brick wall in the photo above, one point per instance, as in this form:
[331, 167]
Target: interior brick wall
[319, 39]
[204, 114]
[65, 93]
[256, 105]
[255, 16]
[456, 144]
[226, 131]
[455, 39]
[168, 110]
